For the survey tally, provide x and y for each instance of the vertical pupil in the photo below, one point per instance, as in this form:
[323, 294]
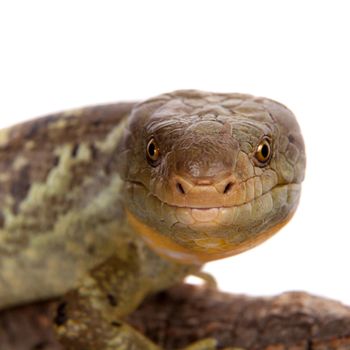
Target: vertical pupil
[151, 149]
[265, 151]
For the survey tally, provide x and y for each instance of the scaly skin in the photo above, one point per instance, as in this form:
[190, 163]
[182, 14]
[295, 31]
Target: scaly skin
[89, 210]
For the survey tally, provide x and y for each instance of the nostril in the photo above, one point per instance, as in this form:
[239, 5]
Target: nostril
[180, 188]
[228, 187]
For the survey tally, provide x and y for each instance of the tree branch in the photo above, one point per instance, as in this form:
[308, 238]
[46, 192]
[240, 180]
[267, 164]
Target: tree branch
[186, 313]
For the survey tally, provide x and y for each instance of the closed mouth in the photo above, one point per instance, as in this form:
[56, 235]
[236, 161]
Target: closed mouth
[197, 217]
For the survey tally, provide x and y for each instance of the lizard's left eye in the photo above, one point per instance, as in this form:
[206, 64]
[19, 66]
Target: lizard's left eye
[152, 151]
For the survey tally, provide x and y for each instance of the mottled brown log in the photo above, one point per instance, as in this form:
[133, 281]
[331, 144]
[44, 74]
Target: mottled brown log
[186, 313]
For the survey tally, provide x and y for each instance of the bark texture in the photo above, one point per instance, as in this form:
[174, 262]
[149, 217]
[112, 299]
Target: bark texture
[186, 313]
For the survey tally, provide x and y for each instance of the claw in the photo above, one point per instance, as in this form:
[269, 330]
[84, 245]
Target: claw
[209, 280]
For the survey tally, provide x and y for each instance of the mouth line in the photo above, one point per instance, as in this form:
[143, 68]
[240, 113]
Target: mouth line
[138, 183]
[199, 208]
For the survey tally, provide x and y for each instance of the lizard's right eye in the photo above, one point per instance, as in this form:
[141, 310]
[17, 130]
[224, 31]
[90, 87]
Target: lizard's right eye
[152, 151]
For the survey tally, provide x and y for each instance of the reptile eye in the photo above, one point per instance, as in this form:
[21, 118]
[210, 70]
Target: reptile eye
[263, 151]
[152, 151]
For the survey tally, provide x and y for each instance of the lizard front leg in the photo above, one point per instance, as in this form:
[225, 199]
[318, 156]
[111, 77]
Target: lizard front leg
[91, 317]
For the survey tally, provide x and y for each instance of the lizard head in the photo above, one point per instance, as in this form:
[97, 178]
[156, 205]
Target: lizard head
[210, 175]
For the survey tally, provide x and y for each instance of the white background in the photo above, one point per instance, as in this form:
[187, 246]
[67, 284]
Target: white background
[61, 54]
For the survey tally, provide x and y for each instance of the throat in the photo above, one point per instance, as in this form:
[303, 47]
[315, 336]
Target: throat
[208, 249]
[163, 245]
[202, 249]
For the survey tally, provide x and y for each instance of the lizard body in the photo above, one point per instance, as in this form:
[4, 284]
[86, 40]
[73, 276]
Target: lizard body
[107, 204]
